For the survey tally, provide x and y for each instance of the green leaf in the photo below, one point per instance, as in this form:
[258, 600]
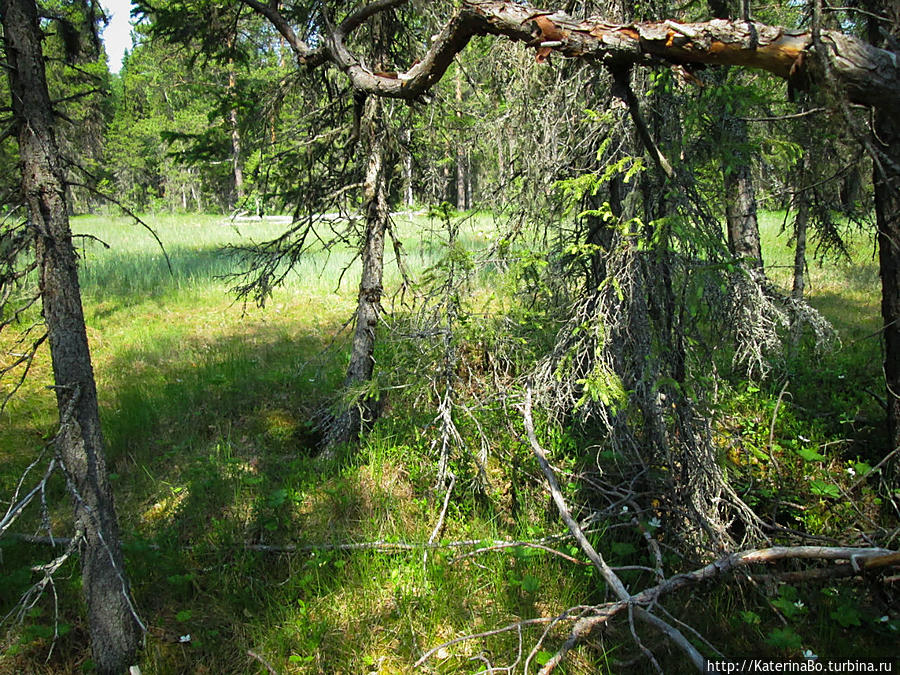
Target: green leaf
[810, 455]
[862, 468]
[846, 615]
[820, 487]
[784, 638]
[751, 618]
[184, 615]
[789, 608]
[788, 592]
[542, 657]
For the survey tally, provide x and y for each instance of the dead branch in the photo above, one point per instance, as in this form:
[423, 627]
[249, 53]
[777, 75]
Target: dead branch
[608, 574]
[518, 625]
[857, 556]
[266, 664]
[869, 75]
[517, 544]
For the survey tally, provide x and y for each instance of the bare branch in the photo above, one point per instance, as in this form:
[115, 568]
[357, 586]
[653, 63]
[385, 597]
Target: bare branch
[305, 55]
[608, 574]
[364, 13]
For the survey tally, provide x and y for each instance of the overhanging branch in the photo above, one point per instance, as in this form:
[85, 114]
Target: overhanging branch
[868, 75]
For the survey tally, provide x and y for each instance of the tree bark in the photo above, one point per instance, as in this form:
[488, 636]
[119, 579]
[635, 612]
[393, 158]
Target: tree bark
[801, 224]
[114, 629]
[236, 168]
[741, 222]
[887, 212]
[867, 74]
[461, 203]
[408, 196]
[886, 181]
[362, 409]
[740, 199]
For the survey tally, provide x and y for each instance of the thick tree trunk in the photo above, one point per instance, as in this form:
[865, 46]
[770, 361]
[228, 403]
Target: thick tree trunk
[362, 409]
[740, 200]
[115, 632]
[886, 180]
[887, 211]
[741, 223]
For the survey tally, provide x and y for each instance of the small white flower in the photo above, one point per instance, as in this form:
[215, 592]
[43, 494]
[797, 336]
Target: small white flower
[654, 522]
[809, 654]
[884, 619]
[624, 509]
[851, 470]
[803, 438]
[799, 604]
[185, 638]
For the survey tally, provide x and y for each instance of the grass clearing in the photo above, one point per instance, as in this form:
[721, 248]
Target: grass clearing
[209, 411]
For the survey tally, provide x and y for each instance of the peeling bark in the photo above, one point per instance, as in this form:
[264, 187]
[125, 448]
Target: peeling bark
[868, 75]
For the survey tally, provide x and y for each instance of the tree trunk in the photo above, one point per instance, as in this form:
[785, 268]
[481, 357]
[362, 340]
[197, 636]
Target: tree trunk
[115, 632]
[236, 157]
[236, 168]
[886, 181]
[461, 204]
[361, 410]
[740, 198]
[887, 212]
[408, 197]
[801, 224]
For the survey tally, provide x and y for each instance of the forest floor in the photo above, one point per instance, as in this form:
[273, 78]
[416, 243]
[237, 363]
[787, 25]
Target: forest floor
[210, 409]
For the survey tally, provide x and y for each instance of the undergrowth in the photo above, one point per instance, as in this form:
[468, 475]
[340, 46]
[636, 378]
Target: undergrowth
[233, 527]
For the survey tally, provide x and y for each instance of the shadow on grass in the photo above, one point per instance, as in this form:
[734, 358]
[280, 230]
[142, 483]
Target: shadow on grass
[211, 447]
[840, 387]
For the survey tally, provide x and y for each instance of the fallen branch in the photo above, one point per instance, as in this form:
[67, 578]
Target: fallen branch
[836, 571]
[266, 664]
[860, 559]
[518, 625]
[608, 574]
[518, 544]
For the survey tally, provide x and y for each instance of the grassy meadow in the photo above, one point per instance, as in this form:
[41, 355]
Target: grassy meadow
[209, 409]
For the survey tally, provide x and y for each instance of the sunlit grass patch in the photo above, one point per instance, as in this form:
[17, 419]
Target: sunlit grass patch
[210, 411]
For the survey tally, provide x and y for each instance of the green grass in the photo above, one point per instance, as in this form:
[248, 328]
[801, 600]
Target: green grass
[209, 410]
[837, 389]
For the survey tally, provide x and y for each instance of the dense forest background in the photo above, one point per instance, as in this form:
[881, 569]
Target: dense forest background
[475, 375]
